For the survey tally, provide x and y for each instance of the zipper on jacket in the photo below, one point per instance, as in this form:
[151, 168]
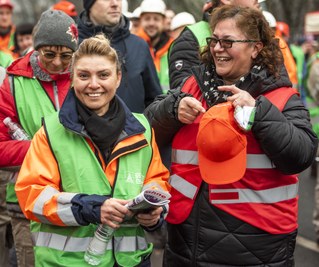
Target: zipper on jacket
[56, 96]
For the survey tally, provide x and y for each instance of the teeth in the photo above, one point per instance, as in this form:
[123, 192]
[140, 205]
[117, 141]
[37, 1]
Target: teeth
[95, 94]
[223, 59]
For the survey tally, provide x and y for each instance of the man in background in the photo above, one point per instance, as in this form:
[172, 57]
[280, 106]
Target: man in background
[140, 84]
[6, 25]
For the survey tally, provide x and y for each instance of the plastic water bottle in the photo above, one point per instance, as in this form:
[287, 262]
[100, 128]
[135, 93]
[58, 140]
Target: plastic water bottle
[98, 244]
[15, 130]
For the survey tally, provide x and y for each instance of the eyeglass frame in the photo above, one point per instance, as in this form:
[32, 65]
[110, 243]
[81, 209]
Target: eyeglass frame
[45, 54]
[230, 42]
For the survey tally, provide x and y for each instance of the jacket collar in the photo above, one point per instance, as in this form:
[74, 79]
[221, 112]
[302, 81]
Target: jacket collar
[69, 118]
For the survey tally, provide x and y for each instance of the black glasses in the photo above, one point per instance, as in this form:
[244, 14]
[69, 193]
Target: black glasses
[226, 43]
[52, 55]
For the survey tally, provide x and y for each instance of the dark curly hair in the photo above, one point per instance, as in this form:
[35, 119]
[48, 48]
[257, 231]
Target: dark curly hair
[255, 27]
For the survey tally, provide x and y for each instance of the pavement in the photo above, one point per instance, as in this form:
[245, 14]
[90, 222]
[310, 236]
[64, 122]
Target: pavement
[307, 251]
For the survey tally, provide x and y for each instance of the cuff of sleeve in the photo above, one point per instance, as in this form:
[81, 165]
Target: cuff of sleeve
[87, 208]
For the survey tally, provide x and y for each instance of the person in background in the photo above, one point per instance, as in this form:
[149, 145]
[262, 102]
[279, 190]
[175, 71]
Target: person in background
[234, 178]
[67, 7]
[5, 226]
[185, 50]
[152, 21]
[283, 37]
[7, 27]
[179, 22]
[313, 103]
[5, 57]
[169, 15]
[135, 20]
[23, 39]
[91, 147]
[139, 85]
[36, 85]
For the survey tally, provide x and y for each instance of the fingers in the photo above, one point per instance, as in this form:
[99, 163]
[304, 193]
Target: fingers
[113, 212]
[151, 218]
[188, 110]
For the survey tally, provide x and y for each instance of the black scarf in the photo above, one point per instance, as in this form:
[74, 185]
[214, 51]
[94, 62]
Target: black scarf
[104, 130]
[211, 81]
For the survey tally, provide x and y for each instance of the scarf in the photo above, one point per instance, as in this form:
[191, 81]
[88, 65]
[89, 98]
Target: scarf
[211, 81]
[103, 130]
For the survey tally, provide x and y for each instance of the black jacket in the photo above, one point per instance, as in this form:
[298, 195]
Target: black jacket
[184, 52]
[140, 83]
[211, 237]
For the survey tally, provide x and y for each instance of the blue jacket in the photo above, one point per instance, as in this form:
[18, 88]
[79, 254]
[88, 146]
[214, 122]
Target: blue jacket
[140, 84]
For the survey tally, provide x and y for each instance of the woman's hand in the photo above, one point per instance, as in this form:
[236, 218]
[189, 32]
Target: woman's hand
[188, 109]
[149, 219]
[113, 212]
[240, 97]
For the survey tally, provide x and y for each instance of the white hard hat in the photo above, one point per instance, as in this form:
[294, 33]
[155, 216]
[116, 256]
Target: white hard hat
[153, 6]
[124, 6]
[260, 1]
[270, 18]
[136, 13]
[182, 19]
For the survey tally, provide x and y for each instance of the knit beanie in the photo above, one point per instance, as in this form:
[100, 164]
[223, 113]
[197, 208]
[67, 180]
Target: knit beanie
[87, 4]
[55, 28]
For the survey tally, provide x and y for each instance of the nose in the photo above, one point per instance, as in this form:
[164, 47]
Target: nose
[57, 61]
[218, 46]
[94, 82]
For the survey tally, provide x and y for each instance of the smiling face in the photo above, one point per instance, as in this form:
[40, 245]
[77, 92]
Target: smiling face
[232, 63]
[95, 81]
[152, 24]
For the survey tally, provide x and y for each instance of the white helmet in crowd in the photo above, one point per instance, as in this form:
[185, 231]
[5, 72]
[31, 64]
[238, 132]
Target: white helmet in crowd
[153, 6]
[270, 18]
[182, 19]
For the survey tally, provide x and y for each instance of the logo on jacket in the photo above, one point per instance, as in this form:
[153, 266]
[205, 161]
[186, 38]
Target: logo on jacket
[134, 178]
[179, 64]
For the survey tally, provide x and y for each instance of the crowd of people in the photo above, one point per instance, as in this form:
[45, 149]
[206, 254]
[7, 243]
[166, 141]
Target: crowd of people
[220, 113]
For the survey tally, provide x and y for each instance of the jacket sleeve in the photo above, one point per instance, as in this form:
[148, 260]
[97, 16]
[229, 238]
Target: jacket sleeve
[39, 193]
[151, 82]
[286, 137]
[162, 114]
[157, 174]
[184, 50]
[12, 152]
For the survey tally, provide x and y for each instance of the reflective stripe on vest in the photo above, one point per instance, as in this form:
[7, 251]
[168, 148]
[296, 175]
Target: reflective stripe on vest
[183, 186]
[63, 208]
[88, 177]
[273, 195]
[78, 244]
[257, 161]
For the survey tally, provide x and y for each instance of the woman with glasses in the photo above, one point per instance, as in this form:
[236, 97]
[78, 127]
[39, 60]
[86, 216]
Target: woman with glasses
[239, 136]
[35, 86]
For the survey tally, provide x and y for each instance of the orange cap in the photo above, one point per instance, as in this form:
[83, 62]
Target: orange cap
[65, 6]
[221, 146]
[6, 3]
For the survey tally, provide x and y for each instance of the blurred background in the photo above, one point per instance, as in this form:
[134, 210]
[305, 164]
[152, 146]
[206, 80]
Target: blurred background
[291, 12]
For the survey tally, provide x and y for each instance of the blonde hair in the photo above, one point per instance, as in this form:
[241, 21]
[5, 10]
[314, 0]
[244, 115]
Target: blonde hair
[98, 45]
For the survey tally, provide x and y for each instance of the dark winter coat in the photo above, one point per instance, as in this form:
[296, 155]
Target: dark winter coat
[140, 84]
[210, 236]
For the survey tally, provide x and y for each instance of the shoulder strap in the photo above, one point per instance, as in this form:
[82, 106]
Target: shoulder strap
[280, 96]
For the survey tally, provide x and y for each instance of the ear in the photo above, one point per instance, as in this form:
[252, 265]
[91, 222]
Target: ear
[257, 48]
[119, 78]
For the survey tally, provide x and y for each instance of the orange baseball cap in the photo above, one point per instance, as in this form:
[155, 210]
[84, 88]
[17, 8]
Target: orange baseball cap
[67, 7]
[221, 146]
